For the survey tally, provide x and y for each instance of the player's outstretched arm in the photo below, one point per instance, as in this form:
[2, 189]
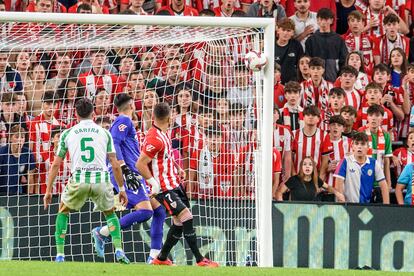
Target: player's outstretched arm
[54, 170]
[118, 178]
[142, 167]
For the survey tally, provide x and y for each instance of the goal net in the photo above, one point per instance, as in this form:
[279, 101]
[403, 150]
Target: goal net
[221, 113]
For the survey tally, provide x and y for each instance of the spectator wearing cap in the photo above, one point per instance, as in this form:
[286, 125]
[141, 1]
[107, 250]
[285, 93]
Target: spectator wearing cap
[17, 165]
[287, 50]
[327, 45]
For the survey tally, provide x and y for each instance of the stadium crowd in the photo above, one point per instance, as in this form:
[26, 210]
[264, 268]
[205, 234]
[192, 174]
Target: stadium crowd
[343, 91]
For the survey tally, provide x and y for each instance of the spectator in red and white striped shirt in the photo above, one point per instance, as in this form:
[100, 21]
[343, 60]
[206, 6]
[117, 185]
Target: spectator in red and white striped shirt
[404, 155]
[334, 148]
[308, 140]
[348, 78]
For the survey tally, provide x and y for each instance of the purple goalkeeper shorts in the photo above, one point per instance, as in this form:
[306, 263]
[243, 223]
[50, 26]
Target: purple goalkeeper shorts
[134, 197]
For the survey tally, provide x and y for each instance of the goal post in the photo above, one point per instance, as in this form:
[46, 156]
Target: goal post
[193, 32]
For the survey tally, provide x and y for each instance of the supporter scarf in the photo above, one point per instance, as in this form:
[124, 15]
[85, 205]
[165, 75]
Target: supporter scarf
[309, 94]
[207, 4]
[205, 170]
[361, 5]
[378, 31]
[91, 85]
[286, 110]
[361, 44]
[380, 151]
[386, 46]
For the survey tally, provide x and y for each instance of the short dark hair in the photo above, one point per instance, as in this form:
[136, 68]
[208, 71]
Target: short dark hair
[236, 108]
[373, 85]
[56, 130]
[312, 110]
[381, 67]
[348, 69]
[375, 109]
[325, 13]
[292, 86]
[121, 99]
[84, 7]
[337, 119]
[206, 12]
[212, 131]
[17, 130]
[102, 119]
[356, 14]
[360, 137]
[84, 107]
[163, 12]
[162, 111]
[48, 96]
[410, 66]
[337, 91]
[239, 13]
[316, 62]
[349, 109]
[391, 18]
[7, 97]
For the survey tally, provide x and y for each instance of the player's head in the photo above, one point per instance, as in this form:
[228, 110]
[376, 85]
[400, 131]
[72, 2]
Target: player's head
[84, 109]
[123, 102]
[162, 113]
[360, 144]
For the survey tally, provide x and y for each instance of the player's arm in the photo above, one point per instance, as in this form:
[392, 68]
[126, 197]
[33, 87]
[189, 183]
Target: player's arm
[142, 166]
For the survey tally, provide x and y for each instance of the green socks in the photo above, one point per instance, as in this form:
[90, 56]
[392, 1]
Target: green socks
[61, 228]
[115, 230]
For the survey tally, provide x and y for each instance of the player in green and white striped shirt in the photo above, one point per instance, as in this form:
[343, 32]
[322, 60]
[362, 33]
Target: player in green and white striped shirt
[89, 146]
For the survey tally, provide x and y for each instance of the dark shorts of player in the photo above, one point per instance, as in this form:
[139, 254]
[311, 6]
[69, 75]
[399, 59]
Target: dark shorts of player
[174, 200]
[134, 197]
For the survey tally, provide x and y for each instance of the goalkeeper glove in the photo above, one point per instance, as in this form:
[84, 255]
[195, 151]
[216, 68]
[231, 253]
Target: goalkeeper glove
[132, 180]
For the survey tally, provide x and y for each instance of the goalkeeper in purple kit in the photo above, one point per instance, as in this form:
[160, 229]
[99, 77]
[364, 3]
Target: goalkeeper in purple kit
[127, 150]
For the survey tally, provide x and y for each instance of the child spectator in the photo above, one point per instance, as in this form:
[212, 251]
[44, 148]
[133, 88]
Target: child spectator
[9, 116]
[335, 148]
[10, 79]
[212, 169]
[222, 111]
[336, 102]
[347, 80]
[67, 93]
[380, 147]
[242, 91]
[303, 68]
[282, 141]
[278, 90]
[179, 8]
[327, 45]
[16, 164]
[373, 96]
[287, 50]
[398, 66]
[236, 135]
[226, 9]
[356, 174]
[39, 132]
[349, 113]
[356, 60]
[404, 156]
[292, 112]
[102, 103]
[390, 40]
[306, 185]
[305, 21]
[407, 89]
[356, 40]
[308, 140]
[64, 172]
[315, 90]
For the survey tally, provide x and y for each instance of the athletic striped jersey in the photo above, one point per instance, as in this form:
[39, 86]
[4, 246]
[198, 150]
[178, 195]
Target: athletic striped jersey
[88, 145]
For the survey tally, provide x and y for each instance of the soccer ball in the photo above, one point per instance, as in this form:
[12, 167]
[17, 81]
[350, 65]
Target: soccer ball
[255, 61]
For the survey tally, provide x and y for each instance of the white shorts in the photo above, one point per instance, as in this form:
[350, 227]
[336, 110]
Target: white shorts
[76, 194]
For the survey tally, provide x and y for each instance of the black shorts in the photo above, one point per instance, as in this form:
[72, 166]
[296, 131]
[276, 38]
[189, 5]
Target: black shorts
[174, 200]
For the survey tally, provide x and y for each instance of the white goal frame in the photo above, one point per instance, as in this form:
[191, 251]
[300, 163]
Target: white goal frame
[264, 206]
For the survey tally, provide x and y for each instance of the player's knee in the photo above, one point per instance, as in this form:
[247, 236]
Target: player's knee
[159, 212]
[146, 214]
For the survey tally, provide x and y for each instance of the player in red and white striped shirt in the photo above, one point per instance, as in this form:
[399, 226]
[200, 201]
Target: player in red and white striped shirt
[156, 165]
[308, 140]
[404, 155]
[334, 148]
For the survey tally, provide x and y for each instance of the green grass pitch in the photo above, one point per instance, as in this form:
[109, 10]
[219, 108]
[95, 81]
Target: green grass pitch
[33, 268]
